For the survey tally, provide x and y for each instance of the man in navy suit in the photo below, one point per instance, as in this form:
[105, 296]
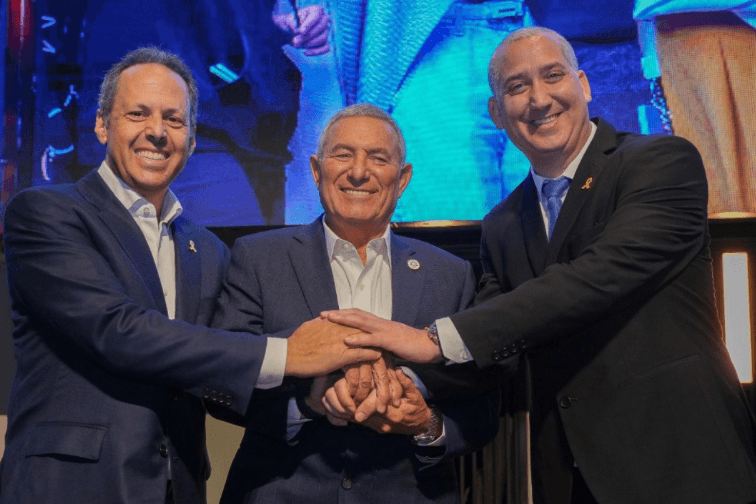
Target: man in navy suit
[107, 282]
[609, 299]
[350, 258]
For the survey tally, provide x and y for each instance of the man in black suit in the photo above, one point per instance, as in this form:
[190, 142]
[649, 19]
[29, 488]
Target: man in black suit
[634, 398]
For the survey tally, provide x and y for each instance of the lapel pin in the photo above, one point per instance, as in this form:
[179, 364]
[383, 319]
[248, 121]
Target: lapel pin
[588, 183]
[191, 246]
[413, 264]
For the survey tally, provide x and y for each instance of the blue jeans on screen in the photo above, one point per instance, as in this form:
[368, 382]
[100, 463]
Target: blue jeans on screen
[463, 165]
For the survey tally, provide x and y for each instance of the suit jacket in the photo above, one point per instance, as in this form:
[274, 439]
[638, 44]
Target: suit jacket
[617, 318]
[282, 278]
[106, 400]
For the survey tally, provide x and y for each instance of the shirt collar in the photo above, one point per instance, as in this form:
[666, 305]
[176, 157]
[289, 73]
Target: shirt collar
[332, 239]
[133, 201]
[569, 172]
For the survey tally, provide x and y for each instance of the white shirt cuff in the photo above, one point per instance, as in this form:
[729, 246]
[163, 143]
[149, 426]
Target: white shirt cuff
[273, 364]
[452, 346]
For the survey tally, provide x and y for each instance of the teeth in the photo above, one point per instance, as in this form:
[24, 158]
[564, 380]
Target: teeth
[355, 191]
[152, 155]
[545, 120]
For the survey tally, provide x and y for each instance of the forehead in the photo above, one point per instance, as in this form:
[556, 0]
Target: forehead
[363, 131]
[150, 82]
[536, 51]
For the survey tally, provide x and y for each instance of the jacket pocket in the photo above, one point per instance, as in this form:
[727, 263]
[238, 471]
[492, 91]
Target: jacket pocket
[659, 370]
[63, 438]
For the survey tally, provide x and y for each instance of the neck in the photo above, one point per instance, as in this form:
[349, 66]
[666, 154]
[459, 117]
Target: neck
[157, 201]
[553, 164]
[358, 235]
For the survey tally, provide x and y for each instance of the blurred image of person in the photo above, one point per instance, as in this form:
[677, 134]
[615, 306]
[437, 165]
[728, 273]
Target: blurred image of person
[110, 289]
[598, 278]
[291, 450]
[421, 62]
[705, 54]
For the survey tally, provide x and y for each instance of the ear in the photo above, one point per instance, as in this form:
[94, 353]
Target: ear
[495, 112]
[583, 79]
[192, 145]
[404, 179]
[315, 169]
[101, 129]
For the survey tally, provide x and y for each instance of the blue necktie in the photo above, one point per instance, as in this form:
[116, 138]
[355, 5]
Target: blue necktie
[553, 190]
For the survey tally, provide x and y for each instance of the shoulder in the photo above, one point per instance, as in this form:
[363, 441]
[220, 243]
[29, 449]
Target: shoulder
[657, 157]
[48, 204]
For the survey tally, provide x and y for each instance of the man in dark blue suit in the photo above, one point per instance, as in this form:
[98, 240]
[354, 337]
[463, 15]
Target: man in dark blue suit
[597, 272]
[350, 258]
[107, 281]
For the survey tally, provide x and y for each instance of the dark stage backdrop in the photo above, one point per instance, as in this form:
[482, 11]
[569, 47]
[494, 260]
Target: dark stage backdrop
[263, 102]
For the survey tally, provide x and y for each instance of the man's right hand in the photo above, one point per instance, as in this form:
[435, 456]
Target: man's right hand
[403, 341]
[317, 347]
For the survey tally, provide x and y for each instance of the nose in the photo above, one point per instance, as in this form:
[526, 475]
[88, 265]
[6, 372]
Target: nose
[540, 97]
[155, 131]
[358, 171]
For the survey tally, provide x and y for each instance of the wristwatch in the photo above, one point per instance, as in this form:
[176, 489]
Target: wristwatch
[432, 331]
[435, 428]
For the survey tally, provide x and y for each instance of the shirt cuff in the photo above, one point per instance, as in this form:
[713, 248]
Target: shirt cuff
[294, 420]
[273, 364]
[452, 346]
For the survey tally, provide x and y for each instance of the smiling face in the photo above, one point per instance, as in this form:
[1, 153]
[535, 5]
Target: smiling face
[147, 135]
[360, 178]
[541, 101]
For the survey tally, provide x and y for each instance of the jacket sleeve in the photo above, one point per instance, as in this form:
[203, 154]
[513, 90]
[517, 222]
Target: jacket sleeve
[62, 265]
[657, 226]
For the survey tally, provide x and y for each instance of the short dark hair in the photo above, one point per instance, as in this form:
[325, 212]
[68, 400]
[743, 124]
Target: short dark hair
[145, 55]
[362, 110]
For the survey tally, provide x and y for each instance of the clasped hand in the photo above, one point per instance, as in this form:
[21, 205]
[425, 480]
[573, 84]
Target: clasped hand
[376, 395]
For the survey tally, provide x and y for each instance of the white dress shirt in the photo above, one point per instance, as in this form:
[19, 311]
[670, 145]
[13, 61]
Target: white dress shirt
[367, 287]
[159, 238]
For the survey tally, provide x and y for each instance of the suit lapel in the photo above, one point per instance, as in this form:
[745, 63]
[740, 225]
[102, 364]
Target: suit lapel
[532, 226]
[188, 272]
[586, 177]
[406, 283]
[310, 261]
[118, 220]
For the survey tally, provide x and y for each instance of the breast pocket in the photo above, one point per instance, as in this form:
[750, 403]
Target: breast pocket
[69, 439]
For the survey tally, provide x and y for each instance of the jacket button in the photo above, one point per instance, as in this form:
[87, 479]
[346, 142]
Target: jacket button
[163, 450]
[496, 356]
[346, 483]
[566, 401]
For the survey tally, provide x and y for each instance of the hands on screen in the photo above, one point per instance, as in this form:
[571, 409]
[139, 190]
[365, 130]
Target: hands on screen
[310, 30]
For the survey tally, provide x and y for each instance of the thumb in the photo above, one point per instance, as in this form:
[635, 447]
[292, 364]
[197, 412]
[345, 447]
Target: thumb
[355, 355]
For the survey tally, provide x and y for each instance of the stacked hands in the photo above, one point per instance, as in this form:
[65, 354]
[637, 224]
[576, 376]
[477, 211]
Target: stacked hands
[366, 387]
